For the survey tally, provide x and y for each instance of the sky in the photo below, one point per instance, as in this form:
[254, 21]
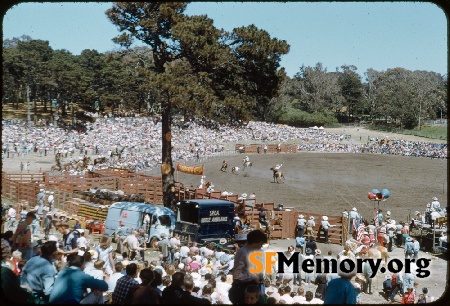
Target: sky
[411, 35]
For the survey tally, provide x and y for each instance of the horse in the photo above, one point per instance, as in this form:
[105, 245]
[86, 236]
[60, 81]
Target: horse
[277, 176]
[224, 166]
[357, 247]
[234, 170]
[86, 161]
[209, 187]
[55, 168]
[66, 167]
[247, 164]
[100, 160]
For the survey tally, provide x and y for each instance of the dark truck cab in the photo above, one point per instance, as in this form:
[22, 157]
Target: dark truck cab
[205, 220]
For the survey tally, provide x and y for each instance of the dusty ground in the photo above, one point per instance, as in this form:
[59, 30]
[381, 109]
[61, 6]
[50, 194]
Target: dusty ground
[334, 182]
[327, 182]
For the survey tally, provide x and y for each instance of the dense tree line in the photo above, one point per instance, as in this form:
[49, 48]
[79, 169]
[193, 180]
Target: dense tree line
[116, 78]
[123, 80]
[315, 96]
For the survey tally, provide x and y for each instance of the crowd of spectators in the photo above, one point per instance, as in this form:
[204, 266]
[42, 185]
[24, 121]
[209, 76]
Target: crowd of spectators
[135, 142]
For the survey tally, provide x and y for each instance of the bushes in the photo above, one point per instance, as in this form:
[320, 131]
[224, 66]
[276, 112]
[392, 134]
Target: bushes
[298, 118]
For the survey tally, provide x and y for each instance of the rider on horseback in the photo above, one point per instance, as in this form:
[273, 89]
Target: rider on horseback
[224, 166]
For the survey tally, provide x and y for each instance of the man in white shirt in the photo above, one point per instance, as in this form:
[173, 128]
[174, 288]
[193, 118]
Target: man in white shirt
[174, 243]
[287, 295]
[50, 201]
[435, 204]
[184, 252]
[300, 297]
[133, 245]
[11, 216]
[146, 222]
[113, 278]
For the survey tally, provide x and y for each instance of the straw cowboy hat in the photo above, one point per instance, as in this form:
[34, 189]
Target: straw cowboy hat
[354, 209]
[434, 199]
[428, 205]
[343, 262]
[324, 218]
[311, 218]
[388, 213]
[409, 239]
[300, 216]
[318, 252]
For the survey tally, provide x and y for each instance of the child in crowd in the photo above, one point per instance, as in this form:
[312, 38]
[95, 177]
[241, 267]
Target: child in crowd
[358, 292]
[252, 294]
[82, 244]
[421, 299]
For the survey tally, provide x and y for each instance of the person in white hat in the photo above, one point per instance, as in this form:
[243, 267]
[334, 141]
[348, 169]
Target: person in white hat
[325, 225]
[435, 204]
[301, 222]
[354, 220]
[409, 248]
[310, 224]
[387, 285]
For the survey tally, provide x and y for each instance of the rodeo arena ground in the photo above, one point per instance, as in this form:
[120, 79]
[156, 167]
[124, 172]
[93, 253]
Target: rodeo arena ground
[314, 193]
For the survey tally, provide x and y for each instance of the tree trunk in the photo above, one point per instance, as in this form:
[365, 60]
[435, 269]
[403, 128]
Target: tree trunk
[167, 169]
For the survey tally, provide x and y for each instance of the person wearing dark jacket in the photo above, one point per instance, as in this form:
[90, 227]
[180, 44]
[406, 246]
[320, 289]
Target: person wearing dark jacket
[311, 244]
[175, 294]
[143, 293]
[321, 282]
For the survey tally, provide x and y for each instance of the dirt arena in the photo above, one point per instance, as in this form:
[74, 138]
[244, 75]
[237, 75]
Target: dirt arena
[333, 182]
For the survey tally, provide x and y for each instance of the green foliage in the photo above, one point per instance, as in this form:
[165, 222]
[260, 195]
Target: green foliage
[299, 118]
[428, 131]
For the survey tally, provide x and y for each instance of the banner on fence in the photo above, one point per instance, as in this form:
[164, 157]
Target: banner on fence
[195, 170]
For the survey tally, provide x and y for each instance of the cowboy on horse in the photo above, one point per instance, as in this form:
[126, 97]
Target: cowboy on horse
[224, 166]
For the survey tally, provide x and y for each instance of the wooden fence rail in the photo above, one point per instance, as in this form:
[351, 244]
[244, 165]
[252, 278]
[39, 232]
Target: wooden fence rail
[24, 187]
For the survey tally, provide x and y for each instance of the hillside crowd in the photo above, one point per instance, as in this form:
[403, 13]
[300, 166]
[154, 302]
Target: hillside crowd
[135, 143]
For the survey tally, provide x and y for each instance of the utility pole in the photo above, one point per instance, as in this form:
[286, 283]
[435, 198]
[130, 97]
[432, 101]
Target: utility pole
[420, 111]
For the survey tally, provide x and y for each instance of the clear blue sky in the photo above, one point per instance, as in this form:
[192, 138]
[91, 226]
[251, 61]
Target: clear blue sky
[410, 35]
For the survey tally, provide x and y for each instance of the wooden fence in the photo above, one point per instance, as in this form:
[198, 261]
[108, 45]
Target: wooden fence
[24, 187]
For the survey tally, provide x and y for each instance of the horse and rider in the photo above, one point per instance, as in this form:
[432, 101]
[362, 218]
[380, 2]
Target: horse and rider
[247, 162]
[224, 166]
[277, 174]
